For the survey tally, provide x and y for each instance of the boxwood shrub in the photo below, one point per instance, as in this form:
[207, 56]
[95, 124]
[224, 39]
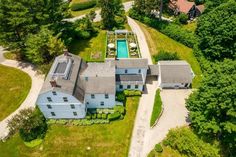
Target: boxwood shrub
[83, 5]
[104, 116]
[129, 93]
[114, 116]
[158, 148]
[120, 96]
[94, 116]
[120, 109]
[99, 116]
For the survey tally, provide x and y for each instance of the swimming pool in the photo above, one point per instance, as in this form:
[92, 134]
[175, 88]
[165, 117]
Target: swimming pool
[122, 49]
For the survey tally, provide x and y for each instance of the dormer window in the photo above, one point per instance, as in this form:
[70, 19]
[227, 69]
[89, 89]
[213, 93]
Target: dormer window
[65, 99]
[49, 99]
[54, 92]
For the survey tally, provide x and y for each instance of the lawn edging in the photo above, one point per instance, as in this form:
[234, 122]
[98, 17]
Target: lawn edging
[157, 109]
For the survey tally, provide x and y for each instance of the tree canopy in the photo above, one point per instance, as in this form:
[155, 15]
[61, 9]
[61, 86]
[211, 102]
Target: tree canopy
[217, 32]
[213, 106]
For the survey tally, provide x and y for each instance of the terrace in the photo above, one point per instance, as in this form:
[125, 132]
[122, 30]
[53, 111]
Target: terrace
[122, 44]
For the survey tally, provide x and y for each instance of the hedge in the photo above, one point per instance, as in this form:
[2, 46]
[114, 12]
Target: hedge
[129, 93]
[172, 30]
[114, 116]
[158, 148]
[83, 5]
[120, 109]
[120, 96]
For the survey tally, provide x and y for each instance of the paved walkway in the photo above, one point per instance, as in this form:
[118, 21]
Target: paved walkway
[127, 6]
[143, 45]
[37, 82]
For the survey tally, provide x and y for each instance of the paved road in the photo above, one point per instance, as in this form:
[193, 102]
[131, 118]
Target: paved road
[37, 82]
[127, 6]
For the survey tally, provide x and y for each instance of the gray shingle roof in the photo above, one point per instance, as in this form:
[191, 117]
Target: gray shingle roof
[153, 70]
[175, 72]
[68, 84]
[129, 63]
[129, 77]
[98, 78]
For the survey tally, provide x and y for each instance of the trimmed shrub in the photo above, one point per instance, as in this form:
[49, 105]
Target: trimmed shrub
[158, 148]
[114, 116]
[120, 96]
[94, 116]
[129, 93]
[120, 109]
[99, 116]
[183, 18]
[164, 55]
[88, 117]
[104, 116]
[51, 121]
[83, 5]
[62, 121]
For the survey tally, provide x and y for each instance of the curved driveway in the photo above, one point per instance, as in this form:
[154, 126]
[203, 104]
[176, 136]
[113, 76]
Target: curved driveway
[37, 82]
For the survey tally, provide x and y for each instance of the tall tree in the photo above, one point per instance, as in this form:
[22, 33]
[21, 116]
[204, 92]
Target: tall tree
[20, 18]
[108, 13]
[217, 32]
[41, 48]
[213, 106]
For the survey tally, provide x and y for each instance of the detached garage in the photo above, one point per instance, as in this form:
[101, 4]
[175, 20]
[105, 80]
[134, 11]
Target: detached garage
[175, 74]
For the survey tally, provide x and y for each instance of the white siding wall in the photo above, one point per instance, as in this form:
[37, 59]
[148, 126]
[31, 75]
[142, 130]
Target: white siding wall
[140, 87]
[96, 101]
[59, 107]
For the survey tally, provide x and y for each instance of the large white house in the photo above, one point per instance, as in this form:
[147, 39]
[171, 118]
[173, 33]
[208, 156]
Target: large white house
[72, 86]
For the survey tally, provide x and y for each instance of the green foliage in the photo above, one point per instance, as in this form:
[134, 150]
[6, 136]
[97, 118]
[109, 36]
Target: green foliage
[113, 14]
[198, 2]
[41, 48]
[183, 18]
[104, 116]
[33, 143]
[212, 106]
[88, 117]
[158, 148]
[129, 93]
[187, 143]
[120, 109]
[83, 5]
[114, 116]
[172, 30]
[18, 20]
[33, 127]
[163, 55]
[120, 96]
[217, 32]
[99, 116]
[62, 121]
[157, 108]
[94, 116]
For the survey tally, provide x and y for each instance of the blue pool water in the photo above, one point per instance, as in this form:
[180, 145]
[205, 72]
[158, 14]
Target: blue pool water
[122, 50]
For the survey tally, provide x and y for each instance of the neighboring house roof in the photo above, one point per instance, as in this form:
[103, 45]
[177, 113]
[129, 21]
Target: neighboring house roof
[175, 72]
[98, 78]
[134, 63]
[153, 70]
[201, 8]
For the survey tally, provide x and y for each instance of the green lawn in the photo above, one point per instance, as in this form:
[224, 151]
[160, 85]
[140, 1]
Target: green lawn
[90, 49]
[105, 140]
[167, 152]
[191, 26]
[14, 87]
[158, 41]
[157, 108]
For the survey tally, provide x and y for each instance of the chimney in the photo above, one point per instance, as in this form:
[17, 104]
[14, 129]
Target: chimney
[53, 83]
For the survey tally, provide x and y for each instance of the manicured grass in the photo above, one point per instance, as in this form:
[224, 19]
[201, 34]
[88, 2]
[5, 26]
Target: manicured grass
[105, 140]
[167, 152]
[90, 49]
[157, 108]
[158, 41]
[14, 87]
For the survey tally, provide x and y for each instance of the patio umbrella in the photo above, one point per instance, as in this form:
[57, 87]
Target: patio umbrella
[111, 45]
[133, 45]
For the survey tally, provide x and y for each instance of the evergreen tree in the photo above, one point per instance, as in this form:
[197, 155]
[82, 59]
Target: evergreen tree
[108, 13]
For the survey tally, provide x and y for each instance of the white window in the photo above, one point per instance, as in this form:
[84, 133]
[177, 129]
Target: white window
[92, 96]
[75, 113]
[128, 86]
[121, 87]
[65, 99]
[54, 92]
[102, 103]
[126, 71]
[136, 86]
[106, 96]
[53, 114]
[72, 106]
[49, 106]
[49, 99]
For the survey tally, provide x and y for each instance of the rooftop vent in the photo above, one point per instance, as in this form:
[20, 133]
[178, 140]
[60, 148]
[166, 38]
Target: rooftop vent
[53, 83]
